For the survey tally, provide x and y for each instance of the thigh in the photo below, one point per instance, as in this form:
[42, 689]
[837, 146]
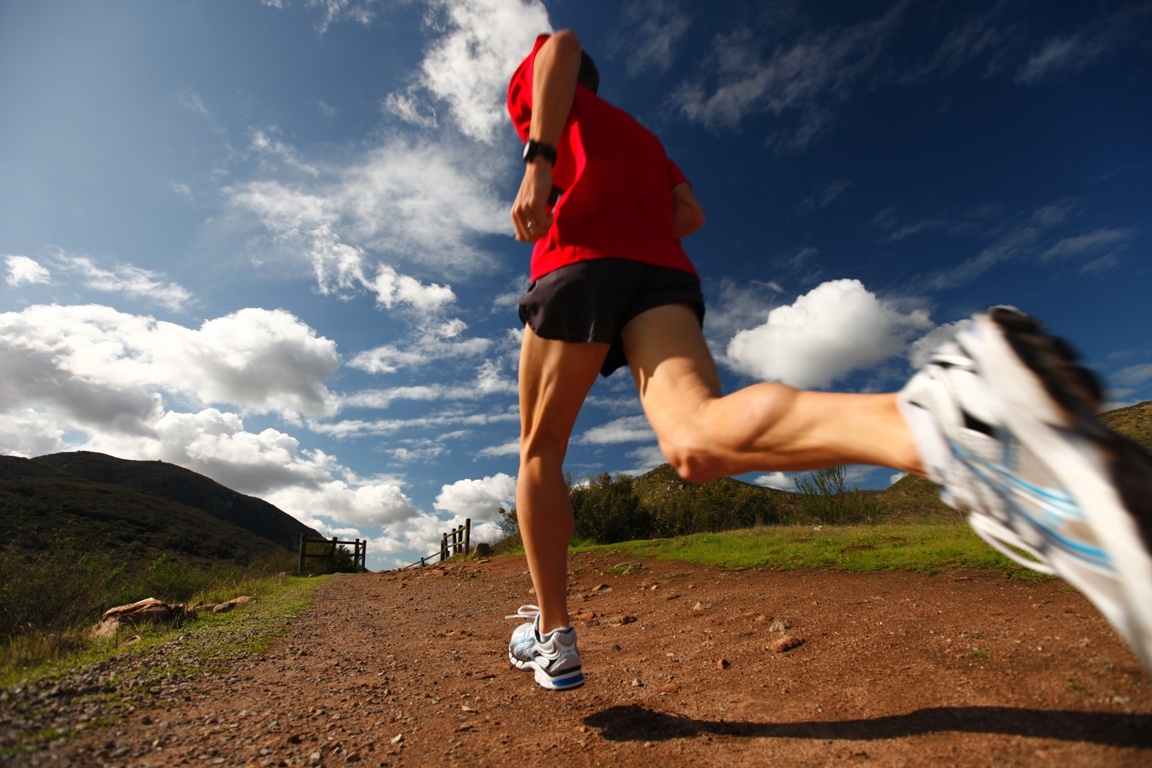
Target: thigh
[671, 363]
[555, 377]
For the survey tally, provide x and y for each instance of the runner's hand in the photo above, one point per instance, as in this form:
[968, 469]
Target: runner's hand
[530, 214]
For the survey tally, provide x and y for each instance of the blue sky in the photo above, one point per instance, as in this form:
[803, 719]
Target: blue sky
[269, 241]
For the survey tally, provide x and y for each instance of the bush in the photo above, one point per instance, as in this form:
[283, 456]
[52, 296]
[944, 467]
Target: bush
[49, 597]
[52, 590]
[826, 498]
[607, 510]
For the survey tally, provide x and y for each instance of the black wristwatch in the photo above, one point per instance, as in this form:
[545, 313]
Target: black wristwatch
[534, 148]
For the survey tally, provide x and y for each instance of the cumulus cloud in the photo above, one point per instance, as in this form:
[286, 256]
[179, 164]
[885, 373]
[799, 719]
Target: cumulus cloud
[781, 481]
[478, 499]
[836, 328]
[921, 350]
[25, 271]
[107, 368]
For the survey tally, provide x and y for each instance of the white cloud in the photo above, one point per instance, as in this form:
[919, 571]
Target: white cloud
[836, 328]
[488, 381]
[921, 350]
[349, 428]
[659, 27]
[1090, 245]
[427, 349]
[412, 201]
[358, 11]
[469, 65]
[367, 503]
[1092, 42]
[511, 448]
[108, 368]
[25, 271]
[1018, 240]
[629, 429]
[478, 499]
[127, 280]
[810, 75]
[781, 481]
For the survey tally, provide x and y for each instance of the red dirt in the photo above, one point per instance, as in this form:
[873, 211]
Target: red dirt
[410, 669]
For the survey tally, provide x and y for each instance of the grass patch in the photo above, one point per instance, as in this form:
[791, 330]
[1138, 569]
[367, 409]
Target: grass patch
[209, 638]
[926, 549]
[100, 684]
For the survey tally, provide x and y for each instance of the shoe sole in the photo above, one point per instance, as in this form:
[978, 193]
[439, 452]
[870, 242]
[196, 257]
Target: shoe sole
[568, 680]
[1050, 406]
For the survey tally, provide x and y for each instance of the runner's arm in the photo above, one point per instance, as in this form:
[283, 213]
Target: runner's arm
[688, 214]
[554, 76]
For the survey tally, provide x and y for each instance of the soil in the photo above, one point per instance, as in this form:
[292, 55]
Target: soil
[684, 666]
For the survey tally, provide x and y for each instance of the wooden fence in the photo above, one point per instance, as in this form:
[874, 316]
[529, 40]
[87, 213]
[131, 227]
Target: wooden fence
[309, 547]
[452, 543]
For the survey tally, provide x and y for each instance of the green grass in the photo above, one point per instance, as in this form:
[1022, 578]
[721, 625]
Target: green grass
[209, 644]
[918, 548]
[208, 641]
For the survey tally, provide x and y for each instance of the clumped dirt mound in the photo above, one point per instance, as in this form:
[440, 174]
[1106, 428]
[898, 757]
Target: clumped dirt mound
[684, 666]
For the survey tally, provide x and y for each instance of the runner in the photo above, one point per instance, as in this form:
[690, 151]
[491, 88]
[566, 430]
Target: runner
[1003, 416]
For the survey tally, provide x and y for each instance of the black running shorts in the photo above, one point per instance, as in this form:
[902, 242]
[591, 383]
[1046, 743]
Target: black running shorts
[593, 301]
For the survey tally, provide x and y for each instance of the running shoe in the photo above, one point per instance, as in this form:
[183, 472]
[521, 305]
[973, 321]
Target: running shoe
[552, 657]
[1005, 419]
[523, 637]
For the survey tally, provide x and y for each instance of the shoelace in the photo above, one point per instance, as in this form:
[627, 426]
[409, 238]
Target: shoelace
[525, 612]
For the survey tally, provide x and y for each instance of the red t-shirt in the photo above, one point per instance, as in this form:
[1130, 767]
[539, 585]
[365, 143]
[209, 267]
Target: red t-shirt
[617, 182]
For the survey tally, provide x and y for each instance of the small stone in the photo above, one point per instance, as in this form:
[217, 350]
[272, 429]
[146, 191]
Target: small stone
[670, 688]
[723, 664]
[786, 643]
[779, 626]
[398, 738]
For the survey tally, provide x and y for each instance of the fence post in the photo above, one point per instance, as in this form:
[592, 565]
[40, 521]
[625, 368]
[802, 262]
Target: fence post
[467, 537]
[300, 564]
[443, 547]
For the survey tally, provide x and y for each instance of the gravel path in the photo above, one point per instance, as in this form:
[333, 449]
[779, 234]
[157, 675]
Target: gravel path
[686, 665]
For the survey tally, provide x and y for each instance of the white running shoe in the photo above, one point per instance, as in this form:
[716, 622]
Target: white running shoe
[553, 657]
[523, 637]
[1005, 419]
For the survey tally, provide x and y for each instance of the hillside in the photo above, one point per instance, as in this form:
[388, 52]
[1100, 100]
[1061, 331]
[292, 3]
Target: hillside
[184, 487]
[137, 509]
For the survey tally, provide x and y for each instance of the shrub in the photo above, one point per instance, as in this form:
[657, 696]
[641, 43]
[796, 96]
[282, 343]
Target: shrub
[607, 510]
[826, 498]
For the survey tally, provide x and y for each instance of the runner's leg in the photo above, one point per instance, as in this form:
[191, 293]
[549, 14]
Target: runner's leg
[766, 426]
[555, 377]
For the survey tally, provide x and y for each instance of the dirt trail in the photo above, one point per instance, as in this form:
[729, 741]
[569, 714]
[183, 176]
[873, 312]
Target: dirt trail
[409, 669]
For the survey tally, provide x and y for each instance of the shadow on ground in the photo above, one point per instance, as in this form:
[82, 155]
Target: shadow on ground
[637, 723]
